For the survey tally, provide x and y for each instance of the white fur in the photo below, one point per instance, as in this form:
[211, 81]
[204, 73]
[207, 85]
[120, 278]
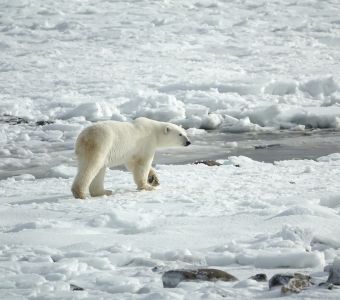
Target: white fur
[111, 143]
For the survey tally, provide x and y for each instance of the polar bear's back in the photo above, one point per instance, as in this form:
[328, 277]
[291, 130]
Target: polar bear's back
[98, 137]
[114, 141]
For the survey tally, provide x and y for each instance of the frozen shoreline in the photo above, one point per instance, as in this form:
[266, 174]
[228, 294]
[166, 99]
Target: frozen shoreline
[260, 146]
[266, 147]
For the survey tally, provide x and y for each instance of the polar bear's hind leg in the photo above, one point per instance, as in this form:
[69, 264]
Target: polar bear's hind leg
[87, 171]
[91, 150]
[97, 185]
[91, 158]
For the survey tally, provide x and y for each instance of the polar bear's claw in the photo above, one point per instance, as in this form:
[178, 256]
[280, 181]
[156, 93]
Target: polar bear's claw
[77, 193]
[153, 180]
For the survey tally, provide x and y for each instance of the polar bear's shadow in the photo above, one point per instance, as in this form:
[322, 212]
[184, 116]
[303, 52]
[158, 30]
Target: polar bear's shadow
[122, 191]
[56, 198]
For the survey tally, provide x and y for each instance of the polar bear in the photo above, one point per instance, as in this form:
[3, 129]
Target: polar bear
[111, 143]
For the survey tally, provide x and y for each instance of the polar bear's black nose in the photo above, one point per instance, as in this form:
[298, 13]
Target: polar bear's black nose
[187, 143]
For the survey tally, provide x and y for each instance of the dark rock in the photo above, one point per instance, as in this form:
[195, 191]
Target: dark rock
[266, 146]
[160, 269]
[56, 257]
[173, 277]
[74, 287]
[209, 163]
[12, 120]
[155, 269]
[279, 280]
[326, 285]
[259, 277]
[42, 123]
[297, 284]
[334, 272]
[291, 283]
[24, 258]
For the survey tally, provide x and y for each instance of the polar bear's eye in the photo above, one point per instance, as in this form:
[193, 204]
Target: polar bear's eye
[180, 134]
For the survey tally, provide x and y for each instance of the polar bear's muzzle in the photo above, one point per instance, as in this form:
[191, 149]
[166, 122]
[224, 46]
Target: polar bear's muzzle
[187, 143]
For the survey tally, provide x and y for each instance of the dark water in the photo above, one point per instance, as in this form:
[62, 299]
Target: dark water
[267, 147]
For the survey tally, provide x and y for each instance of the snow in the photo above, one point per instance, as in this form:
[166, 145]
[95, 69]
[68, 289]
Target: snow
[164, 60]
[332, 201]
[232, 66]
[329, 158]
[238, 68]
[246, 220]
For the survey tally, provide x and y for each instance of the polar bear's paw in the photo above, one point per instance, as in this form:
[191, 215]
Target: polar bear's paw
[77, 192]
[153, 180]
[101, 193]
[146, 187]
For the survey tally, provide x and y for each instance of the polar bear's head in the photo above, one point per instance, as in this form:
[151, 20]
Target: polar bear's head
[173, 136]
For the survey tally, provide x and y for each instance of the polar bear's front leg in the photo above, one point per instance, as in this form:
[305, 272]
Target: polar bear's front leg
[140, 176]
[140, 170]
[153, 178]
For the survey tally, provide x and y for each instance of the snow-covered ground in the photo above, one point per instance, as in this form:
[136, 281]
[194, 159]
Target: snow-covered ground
[244, 66]
[257, 217]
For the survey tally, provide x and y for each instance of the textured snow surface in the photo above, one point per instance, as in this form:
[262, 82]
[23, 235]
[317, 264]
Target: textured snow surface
[258, 217]
[235, 66]
[173, 60]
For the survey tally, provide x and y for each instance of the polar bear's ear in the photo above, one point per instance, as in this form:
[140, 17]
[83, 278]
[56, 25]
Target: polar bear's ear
[166, 129]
